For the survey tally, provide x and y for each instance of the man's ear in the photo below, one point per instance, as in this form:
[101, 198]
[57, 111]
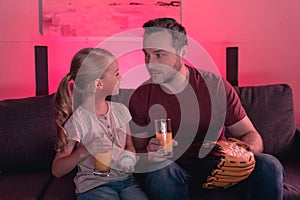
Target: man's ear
[98, 83]
[183, 51]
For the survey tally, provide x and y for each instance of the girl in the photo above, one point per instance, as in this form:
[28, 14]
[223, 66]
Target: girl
[94, 123]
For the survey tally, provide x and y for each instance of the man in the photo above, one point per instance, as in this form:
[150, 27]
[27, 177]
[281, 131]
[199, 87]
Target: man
[200, 105]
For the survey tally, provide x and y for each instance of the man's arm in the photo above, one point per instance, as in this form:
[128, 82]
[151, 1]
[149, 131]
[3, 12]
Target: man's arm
[246, 132]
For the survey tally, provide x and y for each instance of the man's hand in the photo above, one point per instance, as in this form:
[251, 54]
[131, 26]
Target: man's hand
[154, 145]
[156, 153]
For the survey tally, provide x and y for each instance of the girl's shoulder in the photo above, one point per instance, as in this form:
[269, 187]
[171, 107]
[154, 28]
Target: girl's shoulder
[81, 114]
[117, 106]
[120, 111]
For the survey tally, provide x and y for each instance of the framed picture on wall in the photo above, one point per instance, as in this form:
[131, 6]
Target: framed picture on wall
[101, 18]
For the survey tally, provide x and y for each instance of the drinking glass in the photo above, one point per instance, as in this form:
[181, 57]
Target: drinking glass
[103, 159]
[164, 134]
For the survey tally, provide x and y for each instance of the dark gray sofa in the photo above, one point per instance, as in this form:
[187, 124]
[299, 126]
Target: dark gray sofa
[28, 135]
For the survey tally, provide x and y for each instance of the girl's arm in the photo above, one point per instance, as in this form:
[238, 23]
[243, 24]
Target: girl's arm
[129, 144]
[128, 158]
[64, 162]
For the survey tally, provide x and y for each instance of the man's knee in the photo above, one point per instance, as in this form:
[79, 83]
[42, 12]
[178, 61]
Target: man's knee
[171, 178]
[171, 173]
[269, 166]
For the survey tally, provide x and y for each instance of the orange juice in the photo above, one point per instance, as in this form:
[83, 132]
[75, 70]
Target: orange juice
[166, 141]
[102, 163]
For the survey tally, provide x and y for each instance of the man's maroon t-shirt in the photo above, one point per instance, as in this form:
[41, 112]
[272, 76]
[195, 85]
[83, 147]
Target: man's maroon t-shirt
[198, 113]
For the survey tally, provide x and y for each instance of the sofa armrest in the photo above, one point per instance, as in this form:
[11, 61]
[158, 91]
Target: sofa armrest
[297, 139]
[293, 153]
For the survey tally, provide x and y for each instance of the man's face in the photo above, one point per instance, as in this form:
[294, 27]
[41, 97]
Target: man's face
[161, 59]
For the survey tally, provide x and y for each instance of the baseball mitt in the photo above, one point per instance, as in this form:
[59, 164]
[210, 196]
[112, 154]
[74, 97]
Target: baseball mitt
[236, 164]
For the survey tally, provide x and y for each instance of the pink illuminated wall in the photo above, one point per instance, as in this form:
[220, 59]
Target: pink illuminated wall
[266, 32]
[101, 18]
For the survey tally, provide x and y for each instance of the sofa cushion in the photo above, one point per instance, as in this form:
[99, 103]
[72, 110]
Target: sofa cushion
[62, 188]
[19, 185]
[122, 97]
[28, 133]
[271, 110]
[292, 180]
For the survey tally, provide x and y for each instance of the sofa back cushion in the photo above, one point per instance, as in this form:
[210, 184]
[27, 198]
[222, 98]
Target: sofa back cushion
[271, 110]
[28, 133]
[122, 97]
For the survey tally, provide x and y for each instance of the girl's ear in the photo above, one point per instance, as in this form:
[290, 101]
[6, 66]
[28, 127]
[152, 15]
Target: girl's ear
[98, 83]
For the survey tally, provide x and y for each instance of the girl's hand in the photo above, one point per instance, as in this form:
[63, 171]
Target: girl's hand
[127, 161]
[97, 145]
[83, 152]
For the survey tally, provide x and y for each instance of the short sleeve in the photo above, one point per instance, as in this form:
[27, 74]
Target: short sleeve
[126, 114]
[235, 111]
[72, 130]
[138, 107]
[136, 103]
[121, 114]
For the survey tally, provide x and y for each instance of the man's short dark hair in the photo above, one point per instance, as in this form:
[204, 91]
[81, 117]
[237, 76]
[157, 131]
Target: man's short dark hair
[177, 31]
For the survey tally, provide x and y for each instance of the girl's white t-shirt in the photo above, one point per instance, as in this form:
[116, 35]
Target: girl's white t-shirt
[83, 126]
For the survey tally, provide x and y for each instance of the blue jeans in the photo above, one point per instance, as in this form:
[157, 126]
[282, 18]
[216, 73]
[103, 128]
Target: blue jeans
[264, 183]
[125, 190]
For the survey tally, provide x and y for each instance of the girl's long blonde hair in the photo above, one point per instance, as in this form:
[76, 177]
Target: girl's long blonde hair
[87, 65]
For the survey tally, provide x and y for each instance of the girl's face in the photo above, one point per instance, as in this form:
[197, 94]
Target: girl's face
[111, 79]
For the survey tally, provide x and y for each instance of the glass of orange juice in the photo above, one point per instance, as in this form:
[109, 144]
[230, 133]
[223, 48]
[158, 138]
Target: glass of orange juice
[103, 159]
[164, 134]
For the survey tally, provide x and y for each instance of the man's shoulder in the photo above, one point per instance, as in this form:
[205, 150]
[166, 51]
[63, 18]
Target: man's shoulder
[145, 88]
[204, 75]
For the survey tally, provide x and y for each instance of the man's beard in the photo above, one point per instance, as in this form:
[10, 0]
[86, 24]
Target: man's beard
[175, 70]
